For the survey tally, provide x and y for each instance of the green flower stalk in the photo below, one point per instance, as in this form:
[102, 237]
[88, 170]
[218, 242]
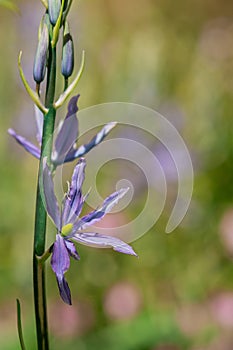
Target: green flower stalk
[46, 61]
[45, 58]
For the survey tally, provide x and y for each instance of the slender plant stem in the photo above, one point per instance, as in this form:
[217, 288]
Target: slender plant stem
[40, 216]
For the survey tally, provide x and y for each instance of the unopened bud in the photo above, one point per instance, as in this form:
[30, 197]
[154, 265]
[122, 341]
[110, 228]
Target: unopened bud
[45, 20]
[40, 61]
[67, 65]
[54, 7]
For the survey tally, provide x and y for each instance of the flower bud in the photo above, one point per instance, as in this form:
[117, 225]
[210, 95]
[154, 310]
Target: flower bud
[67, 64]
[40, 60]
[54, 7]
[45, 20]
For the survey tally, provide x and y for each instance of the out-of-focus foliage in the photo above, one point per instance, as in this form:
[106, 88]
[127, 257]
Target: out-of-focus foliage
[9, 5]
[175, 57]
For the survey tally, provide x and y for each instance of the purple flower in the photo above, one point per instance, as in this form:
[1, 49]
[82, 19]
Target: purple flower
[65, 144]
[70, 226]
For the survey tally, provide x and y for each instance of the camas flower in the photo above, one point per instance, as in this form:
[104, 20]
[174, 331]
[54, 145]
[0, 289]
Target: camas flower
[70, 228]
[65, 149]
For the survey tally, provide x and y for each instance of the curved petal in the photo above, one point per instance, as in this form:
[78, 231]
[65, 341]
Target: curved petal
[28, 146]
[99, 213]
[49, 196]
[72, 249]
[68, 133]
[64, 290]
[60, 263]
[99, 137]
[74, 199]
[39, 116]
[102, 241]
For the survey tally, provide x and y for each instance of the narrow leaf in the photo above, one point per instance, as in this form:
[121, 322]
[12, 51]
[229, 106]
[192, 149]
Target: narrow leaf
[34, 96]
[19, 325]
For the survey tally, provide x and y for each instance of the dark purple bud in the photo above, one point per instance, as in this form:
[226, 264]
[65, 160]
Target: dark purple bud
[54, 7]
[72, 106]
[40, 60]
[67, 65]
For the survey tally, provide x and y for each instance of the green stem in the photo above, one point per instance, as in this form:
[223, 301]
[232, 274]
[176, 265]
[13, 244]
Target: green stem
[66, 84]
[41, 216]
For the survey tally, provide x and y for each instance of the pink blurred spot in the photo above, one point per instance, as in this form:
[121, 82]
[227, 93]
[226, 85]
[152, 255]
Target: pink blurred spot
[223, 342]
[7, 317]
[112, 220]
[222, 309]
[122, 301]
[193, 318]
[226, 230]
[67, 321]
[215, 42]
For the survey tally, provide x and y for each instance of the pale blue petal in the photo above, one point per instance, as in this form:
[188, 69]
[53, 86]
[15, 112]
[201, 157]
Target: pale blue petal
[28, 146]
[98, 138]
[64, 290]
[39, 116]
[74, 199]
[102, 241]
[68, 133]
[49, 196]
[60, 263]
[99, 213]
[72, 249]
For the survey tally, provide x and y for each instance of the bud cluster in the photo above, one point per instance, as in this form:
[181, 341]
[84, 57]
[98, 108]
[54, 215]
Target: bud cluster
[55, 16]
[53, 22]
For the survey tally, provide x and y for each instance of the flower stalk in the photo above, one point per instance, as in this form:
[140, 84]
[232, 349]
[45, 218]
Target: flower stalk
[40, 215]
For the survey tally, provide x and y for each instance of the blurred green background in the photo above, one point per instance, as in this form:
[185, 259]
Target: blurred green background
[177, 58]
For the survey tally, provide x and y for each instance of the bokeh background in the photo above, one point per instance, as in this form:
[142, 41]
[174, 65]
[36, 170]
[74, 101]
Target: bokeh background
[177, 58]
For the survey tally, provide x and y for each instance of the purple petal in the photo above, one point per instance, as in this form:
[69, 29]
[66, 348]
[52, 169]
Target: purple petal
[28, 146]
[99, 213]
[39, 124]
[64, 290]
[72, 250]
[103, 241]
[74, 199]
[49, 195]
[99, 137]
[68, 133]
[60, 263]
